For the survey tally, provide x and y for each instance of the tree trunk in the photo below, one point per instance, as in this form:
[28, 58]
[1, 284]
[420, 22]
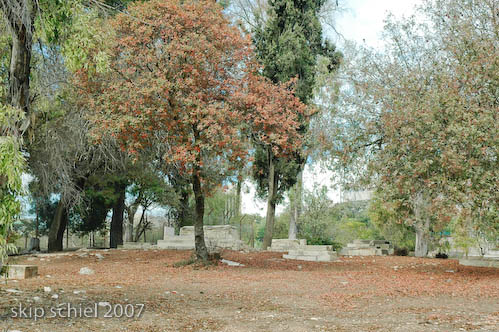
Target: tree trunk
[422, 238]
[116, 231]
[182, 216]
[201, 250]
[269, 222]
[238, 196]
[57, 228]
[296, 204]
[421, 226]
[21, 26]
[131, 211]
[129, 224]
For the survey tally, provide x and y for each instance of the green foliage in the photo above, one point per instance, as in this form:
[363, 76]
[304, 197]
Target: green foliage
[323, 222]
[286, 170]
[56, 19]
[12, 165]
[423, 115]
[289, 44]
[390, 227]
[87, 44]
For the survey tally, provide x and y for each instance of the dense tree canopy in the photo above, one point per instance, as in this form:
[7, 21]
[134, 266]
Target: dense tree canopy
[423, 115]
[181, 77]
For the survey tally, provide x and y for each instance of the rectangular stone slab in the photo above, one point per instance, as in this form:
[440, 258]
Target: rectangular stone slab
[22, 271]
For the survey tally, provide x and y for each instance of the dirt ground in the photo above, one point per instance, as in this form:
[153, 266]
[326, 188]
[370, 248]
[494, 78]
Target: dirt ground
[267, 294]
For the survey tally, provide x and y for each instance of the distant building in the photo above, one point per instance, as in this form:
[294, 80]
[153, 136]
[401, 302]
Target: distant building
[354, 196]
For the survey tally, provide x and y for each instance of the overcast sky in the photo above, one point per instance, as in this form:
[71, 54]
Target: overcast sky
[362, 20]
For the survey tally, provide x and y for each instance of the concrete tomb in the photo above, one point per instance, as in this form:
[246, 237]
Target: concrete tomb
[22, 271]
[490, 259]
[217, 236]
[285, 245]
[368, 248]
[314, 253]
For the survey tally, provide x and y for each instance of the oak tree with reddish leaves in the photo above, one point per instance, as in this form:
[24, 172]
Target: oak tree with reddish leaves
[180, 76]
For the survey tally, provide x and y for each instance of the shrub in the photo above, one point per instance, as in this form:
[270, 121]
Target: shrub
[401, 251]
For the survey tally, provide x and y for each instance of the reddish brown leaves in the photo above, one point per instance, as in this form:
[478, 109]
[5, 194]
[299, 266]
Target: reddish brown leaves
[182, 77]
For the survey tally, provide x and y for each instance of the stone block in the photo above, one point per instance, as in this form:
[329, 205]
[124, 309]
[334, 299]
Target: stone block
[282, 245]
[168, 232]
[22, 271]
[479, 262]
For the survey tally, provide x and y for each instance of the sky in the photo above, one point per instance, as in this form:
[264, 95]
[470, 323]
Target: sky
[362, 22]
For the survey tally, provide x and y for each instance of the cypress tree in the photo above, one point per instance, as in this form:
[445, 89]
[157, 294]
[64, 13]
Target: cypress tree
[288, 46]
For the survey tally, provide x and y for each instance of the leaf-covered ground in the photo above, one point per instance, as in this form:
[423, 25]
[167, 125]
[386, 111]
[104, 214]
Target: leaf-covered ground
[267, 294]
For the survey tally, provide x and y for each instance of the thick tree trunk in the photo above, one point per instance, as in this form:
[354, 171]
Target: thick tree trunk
[57, 228]
[422, 238]
[116, 231]
[269, 222]
[201, 250]
[184, 209]
[21, 21]
[422, 225]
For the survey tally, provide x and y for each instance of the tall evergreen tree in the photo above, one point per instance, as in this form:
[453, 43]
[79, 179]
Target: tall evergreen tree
[288, 47]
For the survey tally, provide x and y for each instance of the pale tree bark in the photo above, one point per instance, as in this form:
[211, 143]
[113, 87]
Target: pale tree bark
[201, 250]
[131, 210]
[296, 204]
[421, 225]
[271, 203]
[238, 196]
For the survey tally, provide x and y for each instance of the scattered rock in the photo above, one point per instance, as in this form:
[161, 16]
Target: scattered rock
[104, 304]
[47, 289]
[15, 291]
[231, 263]
[79, 292]
[99, 256]
[36, 299]
[55, 296]
[86, 271]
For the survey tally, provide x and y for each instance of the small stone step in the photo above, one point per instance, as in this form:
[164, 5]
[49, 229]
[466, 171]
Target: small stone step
[22, 271]
[313, 258]
[300, 252]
